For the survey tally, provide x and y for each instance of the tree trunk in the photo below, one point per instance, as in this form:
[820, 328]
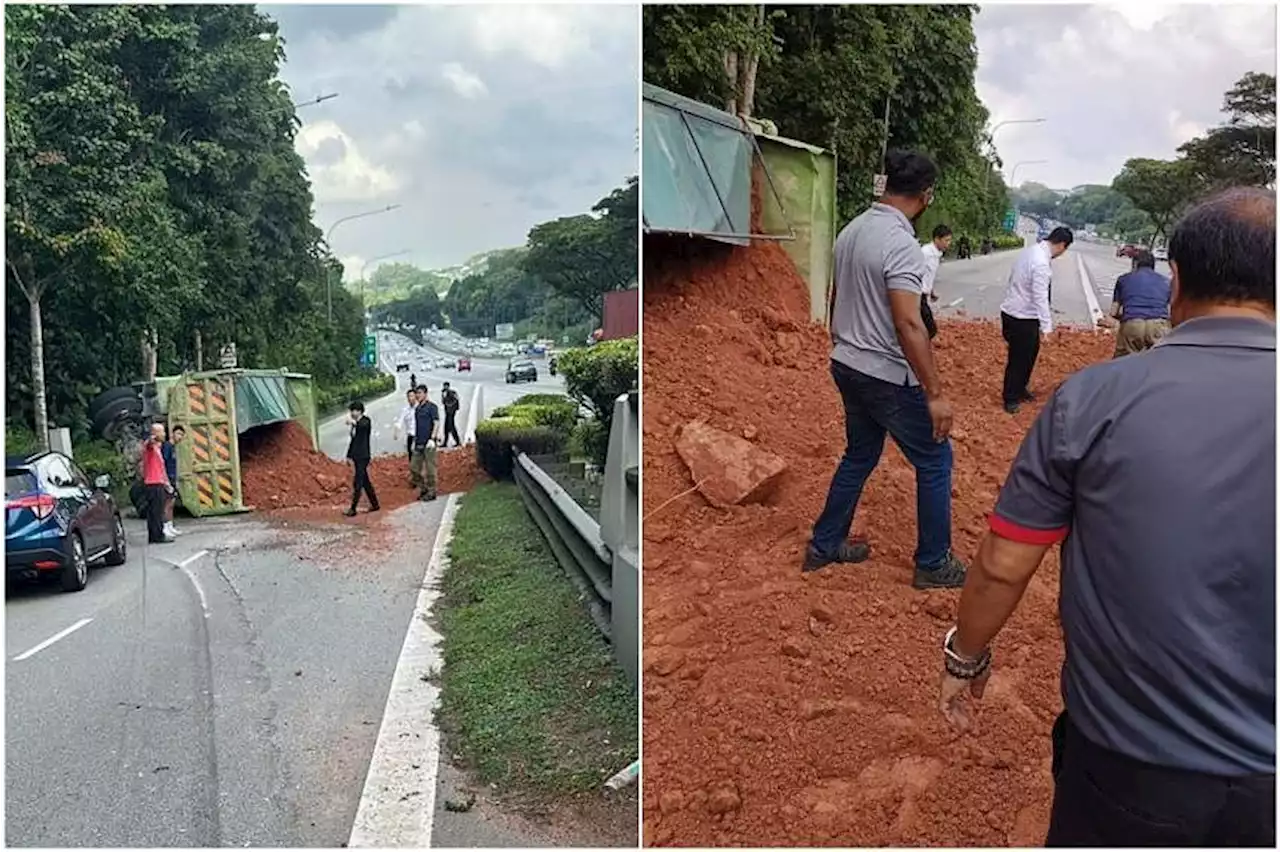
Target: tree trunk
[731, 72]
[748, 87]
[37, 369]
[199, 352]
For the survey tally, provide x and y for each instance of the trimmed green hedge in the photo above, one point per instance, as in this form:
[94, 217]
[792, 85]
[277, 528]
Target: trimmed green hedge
[338, 397]
[536, 424]
[596, 376]
[1006, 241]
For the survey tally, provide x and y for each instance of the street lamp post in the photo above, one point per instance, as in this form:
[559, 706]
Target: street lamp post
[986, 176]
[328, 278]
[1013, 176]
[316, 100]
[365, 266]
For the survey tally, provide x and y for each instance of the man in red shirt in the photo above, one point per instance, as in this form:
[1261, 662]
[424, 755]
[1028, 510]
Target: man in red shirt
[156, 480]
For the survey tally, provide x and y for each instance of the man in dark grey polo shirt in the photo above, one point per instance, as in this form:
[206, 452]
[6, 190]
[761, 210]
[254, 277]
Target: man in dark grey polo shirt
[1157, 473]
[883, 366]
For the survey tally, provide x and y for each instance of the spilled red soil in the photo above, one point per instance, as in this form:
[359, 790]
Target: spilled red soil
[280, 471]
[790, 710]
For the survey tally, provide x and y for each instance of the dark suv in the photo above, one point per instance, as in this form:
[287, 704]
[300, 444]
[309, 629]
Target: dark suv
[521, 371]
[57, 522]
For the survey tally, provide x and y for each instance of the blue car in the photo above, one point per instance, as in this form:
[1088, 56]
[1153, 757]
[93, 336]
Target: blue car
[57, 522]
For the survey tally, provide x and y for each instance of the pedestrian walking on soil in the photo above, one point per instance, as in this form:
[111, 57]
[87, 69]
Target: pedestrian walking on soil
[1158, 477]
[156, 481]
[424, 446]
[932, 252]
[883, 366]
[451, 406]
[1139, 306]
[406, 422]
[169, 450]
[1025, 314]
[360, 454]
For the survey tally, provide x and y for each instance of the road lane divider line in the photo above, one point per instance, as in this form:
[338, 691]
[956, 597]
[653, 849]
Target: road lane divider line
[398, 803]
[204, 600]
[61, 634]
[473, 414]
[955, 302]
[1095, 311]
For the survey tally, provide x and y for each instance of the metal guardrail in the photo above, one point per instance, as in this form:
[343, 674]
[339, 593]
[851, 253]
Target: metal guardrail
[600, 557]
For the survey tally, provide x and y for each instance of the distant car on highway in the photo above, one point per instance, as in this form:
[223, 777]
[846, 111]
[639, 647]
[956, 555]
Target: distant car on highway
[521, 371]
[402, 368]
[464, 364]
[1161, 253]
[57, 522]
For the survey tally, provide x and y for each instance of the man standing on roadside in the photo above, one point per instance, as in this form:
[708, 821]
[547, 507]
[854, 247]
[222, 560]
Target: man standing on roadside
[424, 445]
[883, 367]
[1158, 476]
[932, 252]
[169, 449]
[1140, 306]
[156, 481]
[451, 406]
[407, 422]
[1025, 314]
[360, 454]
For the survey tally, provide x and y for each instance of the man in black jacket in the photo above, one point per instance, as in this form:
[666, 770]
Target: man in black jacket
[451, 405]
[359, 454]
[423, 466]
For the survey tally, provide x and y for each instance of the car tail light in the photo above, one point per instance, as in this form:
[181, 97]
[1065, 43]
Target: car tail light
[46, 564]
[41, 505]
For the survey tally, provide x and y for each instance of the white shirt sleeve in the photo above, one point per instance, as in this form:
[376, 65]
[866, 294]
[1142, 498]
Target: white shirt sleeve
[1041, 275]
[931, 261]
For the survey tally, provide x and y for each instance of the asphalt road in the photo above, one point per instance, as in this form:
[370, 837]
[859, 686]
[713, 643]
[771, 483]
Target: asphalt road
[480, 390]
[233, 701]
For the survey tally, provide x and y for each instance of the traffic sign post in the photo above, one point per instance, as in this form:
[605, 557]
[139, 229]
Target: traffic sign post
[878, 185]
[369, 356]
[1010, 219]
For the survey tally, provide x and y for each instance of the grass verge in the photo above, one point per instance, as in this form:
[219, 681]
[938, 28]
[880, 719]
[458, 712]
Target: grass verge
[530, 696]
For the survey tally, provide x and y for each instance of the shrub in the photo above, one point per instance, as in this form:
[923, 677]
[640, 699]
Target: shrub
[364, 388]
[590, 440]
[1006, 241]
[547, 409]
[499, 438]
[19, 440]
[98, 457]
[598, 375]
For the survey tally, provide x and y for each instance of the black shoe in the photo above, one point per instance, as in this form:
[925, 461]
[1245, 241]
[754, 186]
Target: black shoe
[847, 552]
[350, 513]
[373, 509]
[431, 496]
[1028, 396]
[1012, 407]
[949, 575]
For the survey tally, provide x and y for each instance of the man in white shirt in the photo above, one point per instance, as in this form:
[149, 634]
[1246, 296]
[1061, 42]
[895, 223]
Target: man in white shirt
[407, 422]
[1025, 314]
[933, 252]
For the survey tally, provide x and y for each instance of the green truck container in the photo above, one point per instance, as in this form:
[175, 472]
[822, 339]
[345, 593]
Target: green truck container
[216, 407]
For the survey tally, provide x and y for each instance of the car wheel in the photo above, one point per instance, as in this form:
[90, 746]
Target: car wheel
[75, 574]
[510, 379]
[119, 544]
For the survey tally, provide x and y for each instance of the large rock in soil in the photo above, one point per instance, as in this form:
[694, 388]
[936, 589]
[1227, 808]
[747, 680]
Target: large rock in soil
[729, 470]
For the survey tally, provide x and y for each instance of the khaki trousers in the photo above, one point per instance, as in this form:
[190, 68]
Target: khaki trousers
[1138, 335]
[422, 469]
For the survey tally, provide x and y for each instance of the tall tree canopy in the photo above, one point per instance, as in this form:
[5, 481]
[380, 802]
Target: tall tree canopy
[823, 75]
[1241, 152]
[153, 190]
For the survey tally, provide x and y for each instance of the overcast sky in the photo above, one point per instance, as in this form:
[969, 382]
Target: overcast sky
[1112, 81]
[480, 121]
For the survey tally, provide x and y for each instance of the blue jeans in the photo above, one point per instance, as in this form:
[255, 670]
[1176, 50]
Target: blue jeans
[873, 407]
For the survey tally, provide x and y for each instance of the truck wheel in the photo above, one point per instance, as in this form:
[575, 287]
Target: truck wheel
[114, 411]
[75, 574]
[107, 397]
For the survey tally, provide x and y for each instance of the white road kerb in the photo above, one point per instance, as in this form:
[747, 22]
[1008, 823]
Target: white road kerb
[1091, 297]
[397, 807]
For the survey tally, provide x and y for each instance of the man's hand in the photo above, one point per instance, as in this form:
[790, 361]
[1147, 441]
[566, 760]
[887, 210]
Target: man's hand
[951, 698]
[941, 415]
[1107, 322]
[933, 297]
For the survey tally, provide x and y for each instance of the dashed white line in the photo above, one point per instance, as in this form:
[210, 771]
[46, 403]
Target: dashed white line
[955, 302]
[397, 806]
[61, 634]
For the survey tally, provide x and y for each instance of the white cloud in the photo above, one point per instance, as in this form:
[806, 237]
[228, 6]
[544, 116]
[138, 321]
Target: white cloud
[465, 83]
[351, 265]
[547, 35]
[349, 176]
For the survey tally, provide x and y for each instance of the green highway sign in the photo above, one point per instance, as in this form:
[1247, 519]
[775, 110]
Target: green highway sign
[369, 357]
[1010, 219]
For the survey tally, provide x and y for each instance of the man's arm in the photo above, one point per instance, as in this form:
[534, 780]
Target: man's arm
[1032, 514]
[1041, 275]
[904, 272]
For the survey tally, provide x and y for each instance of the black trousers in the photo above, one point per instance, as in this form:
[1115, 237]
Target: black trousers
[926, 314]
[408, 446]
[361, 482]
[156, 497]
[1023, 337]
[1101, 798]
[451, 428]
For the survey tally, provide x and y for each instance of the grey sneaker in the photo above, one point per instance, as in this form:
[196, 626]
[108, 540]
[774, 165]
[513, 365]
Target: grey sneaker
[847, 552]
[949, 574]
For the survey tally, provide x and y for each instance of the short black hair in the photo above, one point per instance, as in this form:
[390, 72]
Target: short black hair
[357, 406]
[1144, 260]
[446, 384]
[1224, 248]
[422, 388]
[1061, 236]
[177, 429]
[908, 173]
[940, 231]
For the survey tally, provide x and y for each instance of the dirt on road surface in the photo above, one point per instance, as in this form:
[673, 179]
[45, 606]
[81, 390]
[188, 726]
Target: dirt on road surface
[783, 709]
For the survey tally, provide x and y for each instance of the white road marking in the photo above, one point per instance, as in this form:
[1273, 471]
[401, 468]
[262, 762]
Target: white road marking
[955, 302]
[397, 806]
[473, 415]
[1095, 312]
[204, 601]
[61, 634]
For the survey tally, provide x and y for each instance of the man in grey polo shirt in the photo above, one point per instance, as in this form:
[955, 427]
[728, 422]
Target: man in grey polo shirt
[1157, 474]
[883, 366]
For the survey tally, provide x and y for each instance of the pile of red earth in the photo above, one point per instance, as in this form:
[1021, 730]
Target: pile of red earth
[280, 470]
[783, 709]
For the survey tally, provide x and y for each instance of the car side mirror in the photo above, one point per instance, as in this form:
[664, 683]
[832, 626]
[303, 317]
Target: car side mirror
[103, 482]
